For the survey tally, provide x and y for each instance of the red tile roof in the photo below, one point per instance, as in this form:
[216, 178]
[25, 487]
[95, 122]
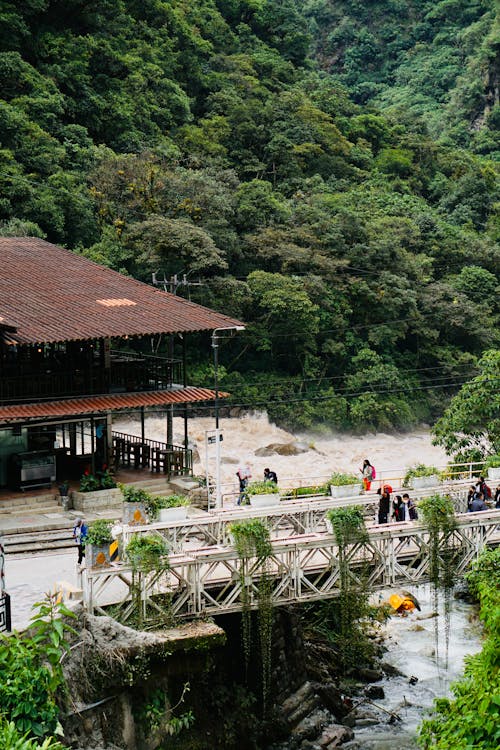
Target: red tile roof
[73, 407]
[50, 294]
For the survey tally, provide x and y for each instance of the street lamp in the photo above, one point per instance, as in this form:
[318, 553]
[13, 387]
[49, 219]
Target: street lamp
[215, 346]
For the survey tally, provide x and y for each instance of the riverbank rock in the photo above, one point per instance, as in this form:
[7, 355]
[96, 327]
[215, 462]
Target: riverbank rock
[334, 736]
[462, 593]
[331, 697]
[283, 449]
[367, 675]
[375, 691]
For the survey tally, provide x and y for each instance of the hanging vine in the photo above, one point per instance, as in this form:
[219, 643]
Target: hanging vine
[349, 529]
[146, 553]
[439, 519]
[253, 545]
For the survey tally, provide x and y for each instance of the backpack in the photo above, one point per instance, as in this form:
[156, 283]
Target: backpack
[374, 473]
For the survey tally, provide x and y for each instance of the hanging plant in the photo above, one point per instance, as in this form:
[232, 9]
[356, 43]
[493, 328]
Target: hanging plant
[438, 516]
[349, 529]
[253, 545]
[146, 553]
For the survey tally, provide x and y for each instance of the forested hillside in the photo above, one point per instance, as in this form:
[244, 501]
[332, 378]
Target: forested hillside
[328, 170]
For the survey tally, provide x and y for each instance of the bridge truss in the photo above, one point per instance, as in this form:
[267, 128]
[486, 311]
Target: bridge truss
[303, 567]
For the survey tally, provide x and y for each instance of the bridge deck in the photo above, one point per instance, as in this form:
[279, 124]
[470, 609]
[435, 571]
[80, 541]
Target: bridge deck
[302, 567]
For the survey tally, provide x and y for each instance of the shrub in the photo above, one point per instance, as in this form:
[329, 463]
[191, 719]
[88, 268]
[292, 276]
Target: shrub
[420, 470]
[342, 480]
[145, 552]
[262, 488]
[99, 532]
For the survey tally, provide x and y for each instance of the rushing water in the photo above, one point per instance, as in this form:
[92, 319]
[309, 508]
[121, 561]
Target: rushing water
[411, 649]
[323, 453]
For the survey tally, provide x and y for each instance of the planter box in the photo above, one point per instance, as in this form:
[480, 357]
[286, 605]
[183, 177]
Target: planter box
[97, 555]
[420, 483]
[134, 514]
[345, 490]
[98, 500]
[494, 474]
[165, 515]
[263, 501]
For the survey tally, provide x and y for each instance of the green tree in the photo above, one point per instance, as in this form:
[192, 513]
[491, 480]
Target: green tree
[472, 420]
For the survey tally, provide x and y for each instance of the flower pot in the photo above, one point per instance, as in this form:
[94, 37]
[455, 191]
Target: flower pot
[344, 490]
[263, 501]
[97, 555]
[90, 502]
[134, 514]
[420, 483]
[494, 474]
[165, 515]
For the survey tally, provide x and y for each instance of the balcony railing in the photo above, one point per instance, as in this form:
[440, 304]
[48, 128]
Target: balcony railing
[128, 372]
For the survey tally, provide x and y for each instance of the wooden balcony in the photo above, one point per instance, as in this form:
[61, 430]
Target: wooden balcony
[128, 372]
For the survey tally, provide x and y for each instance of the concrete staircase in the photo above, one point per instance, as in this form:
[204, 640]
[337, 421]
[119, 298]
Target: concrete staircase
[30, 504]
[38, 525]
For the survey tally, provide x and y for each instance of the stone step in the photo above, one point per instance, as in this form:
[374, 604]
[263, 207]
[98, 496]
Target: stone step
[37, 510]
[21, 502]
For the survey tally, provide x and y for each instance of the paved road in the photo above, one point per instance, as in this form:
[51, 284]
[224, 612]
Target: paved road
[28, 578]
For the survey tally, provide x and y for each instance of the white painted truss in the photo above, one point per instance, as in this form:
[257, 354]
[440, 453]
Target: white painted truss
[303, 567]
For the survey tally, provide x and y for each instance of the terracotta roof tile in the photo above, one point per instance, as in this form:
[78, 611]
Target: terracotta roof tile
[73, 407]
[50, 294]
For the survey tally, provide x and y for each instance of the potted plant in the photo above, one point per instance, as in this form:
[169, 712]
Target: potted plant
[96, 492]
[421, 476]
[262, 494]
[135, 502]
[493, 466]
[97, 543]
[147, 552]
[344, 485]
[172, 508]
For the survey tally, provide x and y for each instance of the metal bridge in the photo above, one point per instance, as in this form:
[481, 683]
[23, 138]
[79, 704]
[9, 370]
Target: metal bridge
[207, 580]
[290, 517]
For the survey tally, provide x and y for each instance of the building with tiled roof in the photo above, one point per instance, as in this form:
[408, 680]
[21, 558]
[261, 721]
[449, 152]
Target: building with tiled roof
[75, 348]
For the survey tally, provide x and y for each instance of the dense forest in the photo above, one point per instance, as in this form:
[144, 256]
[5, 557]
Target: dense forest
[325, 170]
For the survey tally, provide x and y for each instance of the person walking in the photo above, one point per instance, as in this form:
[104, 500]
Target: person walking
[368, 474]
[80, 531]
[244, 475]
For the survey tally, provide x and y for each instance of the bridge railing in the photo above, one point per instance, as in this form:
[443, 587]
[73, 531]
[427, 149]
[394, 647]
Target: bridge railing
[459, 472]
[207, 581]
[292, 516]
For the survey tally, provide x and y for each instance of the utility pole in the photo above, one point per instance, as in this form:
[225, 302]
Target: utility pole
[171, 286]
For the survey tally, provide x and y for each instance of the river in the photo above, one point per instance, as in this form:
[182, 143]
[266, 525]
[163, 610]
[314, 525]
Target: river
[323, 454]
[411, 649]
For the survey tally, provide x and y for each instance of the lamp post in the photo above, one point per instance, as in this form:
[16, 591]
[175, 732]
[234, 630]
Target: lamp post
[215, 346]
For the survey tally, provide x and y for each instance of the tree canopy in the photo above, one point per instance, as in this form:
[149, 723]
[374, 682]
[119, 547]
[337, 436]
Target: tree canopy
[327, 172]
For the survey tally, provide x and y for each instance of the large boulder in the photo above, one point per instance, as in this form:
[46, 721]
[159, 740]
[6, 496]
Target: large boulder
[288, 449]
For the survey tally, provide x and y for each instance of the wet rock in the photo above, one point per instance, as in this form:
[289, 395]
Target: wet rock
[368, 675]
[390, 670]
[265, 452]
[375, 691]
[331, 697]
[229, 460]
[334, 736]
[288, 449]
[367, 722]
[416, 628]
[463, 593]
[310, 727]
